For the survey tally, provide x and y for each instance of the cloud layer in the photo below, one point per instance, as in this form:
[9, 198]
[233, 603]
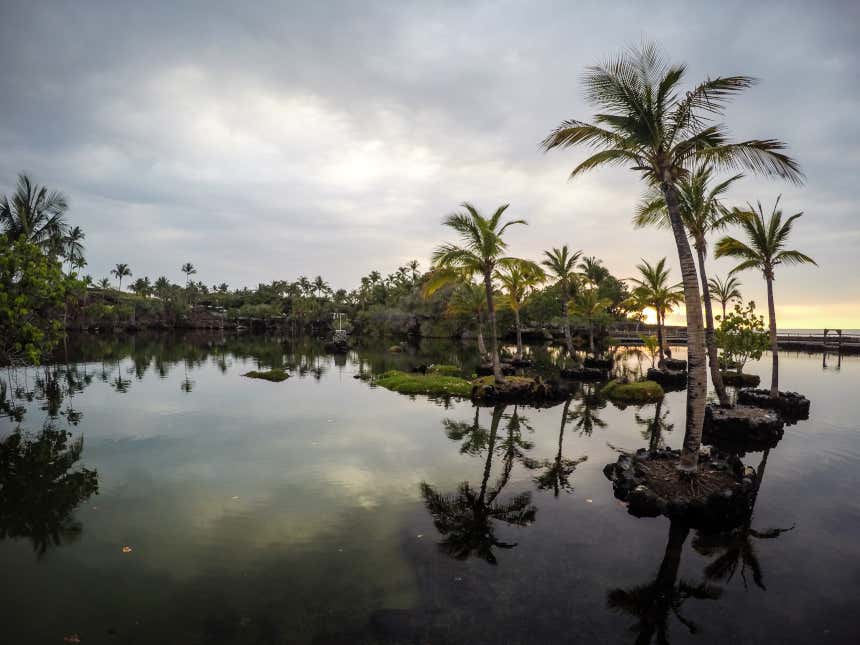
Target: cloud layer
[271, 141]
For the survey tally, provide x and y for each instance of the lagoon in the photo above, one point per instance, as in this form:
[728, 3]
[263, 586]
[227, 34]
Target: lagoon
[323, 509]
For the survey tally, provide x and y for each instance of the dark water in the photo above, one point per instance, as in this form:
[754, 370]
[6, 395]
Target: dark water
[324, 510]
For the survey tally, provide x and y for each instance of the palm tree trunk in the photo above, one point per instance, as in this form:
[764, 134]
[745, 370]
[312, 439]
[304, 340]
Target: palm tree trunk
[668, 574]
[591, 337]
[519, 334]
[697, 377]
[482, 348]
[723, 302]
[498, 411]
[564, 300]
[710, 337]
[774, 346]
[564, 413]
[494, 334]
[654, 439]
[660, 340]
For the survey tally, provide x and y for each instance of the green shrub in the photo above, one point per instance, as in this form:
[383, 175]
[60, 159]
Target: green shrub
[444, 370]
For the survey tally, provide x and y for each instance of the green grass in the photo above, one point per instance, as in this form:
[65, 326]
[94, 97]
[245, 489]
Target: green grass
[276, 375]
[415, 383]
[640, 392]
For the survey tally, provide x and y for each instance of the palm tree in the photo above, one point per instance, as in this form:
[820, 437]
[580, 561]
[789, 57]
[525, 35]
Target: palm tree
[586, 414]
[724, 291]
[34, 214]
[591, 309]
[480, 254]
[653, 290]
[73, 247]
[103, 283]
[188, 269]
[142, 287]
[648, 124]
[702, 212]
[469, 299]
[593, 270]
[655, 427]
[320, 286]
[562, 264]
[120, 271]
[518, 281]
[765, 251]
[161, 287]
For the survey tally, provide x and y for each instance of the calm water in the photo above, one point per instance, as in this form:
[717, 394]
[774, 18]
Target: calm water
[324, 510]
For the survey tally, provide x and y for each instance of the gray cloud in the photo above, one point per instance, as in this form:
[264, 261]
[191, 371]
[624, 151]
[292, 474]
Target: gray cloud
[267, 141]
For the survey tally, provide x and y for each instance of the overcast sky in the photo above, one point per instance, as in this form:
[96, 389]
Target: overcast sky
[268, 140]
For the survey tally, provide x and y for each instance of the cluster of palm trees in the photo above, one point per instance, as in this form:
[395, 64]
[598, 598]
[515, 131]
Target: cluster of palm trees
[482, 253]
[645, 121]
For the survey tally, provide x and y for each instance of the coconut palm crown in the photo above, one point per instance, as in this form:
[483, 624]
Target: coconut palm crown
[481, 252]
[646, 122]
[764, 250]
[724, 291]
[34, 214]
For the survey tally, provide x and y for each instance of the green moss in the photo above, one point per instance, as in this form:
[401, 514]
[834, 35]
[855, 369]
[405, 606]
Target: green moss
[445, 370]
[276, 375]
[640, 392]
[415, 383]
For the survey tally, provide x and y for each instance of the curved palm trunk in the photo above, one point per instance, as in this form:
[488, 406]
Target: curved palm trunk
[564, 300]
[660, 339]
[723, 302]
[494, 334]
[654, 439]
[482, 348]
[710, 337]
[697, 378]
[774, 348]
[519, 333]
[591, 337]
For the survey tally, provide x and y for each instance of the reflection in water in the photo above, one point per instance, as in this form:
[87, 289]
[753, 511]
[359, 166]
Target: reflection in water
[557, 472]
[653, 603]
[585, 414]
[655, 426]
[39, 489]
[465, 519]
[734, 549]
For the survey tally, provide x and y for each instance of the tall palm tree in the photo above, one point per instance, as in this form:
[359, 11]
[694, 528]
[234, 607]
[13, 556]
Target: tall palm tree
[73, 247]
[764, 251]
[34, 214]
[653, 290]
[481, 253]
[702, 212]
[724, 291]
[189, 270]
[561, 264]
[469, 299]
[646, 122]
[518, 281]
[121, 271]
[589, 307]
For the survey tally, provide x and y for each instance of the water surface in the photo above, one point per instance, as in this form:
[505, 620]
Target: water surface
[325, 510]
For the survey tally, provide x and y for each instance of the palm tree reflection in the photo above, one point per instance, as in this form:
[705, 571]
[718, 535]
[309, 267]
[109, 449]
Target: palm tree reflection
[39, 489]
[557, 472]
[734, 549]
[653, 603]
[466, 518]
[585, 415]
[655, 426]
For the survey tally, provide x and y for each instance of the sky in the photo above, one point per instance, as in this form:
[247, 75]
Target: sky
[268, 140]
